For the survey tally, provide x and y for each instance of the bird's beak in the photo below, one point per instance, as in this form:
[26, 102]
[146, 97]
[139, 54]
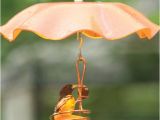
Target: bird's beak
[74, 86]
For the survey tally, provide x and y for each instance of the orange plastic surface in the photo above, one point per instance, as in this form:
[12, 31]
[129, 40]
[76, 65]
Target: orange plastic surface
[56, 21]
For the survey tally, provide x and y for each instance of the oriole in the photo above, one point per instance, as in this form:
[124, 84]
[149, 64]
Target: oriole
[66, 105]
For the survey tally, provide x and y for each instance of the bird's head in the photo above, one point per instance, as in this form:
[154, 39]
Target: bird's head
[67, 90]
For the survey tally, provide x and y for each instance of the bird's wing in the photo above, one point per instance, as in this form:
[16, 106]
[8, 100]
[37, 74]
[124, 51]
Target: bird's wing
[61, 103]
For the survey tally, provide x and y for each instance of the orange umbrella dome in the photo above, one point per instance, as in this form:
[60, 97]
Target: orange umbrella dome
[56, 21]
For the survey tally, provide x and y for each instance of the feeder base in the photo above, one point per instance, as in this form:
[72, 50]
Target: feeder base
[69, 117]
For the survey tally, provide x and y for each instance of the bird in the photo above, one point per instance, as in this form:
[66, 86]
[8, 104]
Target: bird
[66, 101]
[66, 105]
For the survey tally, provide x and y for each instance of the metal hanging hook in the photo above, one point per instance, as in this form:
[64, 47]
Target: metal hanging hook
[80, 39]
[80, 57]
[80, 77]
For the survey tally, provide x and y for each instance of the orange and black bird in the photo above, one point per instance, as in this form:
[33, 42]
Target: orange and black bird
[66, 104]
[66, 101]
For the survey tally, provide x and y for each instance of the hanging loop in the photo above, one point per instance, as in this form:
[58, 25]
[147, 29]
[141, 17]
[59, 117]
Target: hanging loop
[81, 77]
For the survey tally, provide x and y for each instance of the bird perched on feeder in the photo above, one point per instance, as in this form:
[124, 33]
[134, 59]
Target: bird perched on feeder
[66, 101]
[66, 105]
